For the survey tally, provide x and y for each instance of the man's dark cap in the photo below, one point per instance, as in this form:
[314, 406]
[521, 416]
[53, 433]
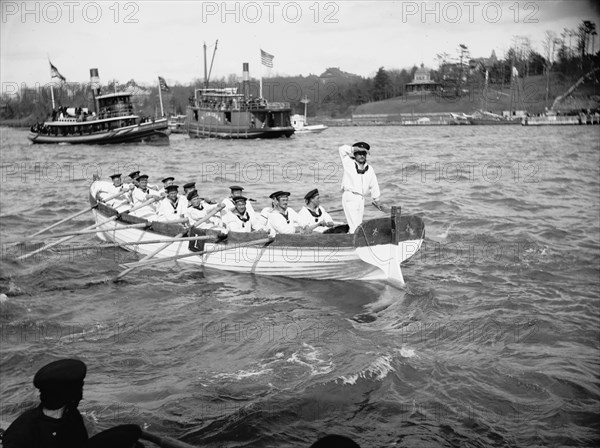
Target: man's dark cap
[61, 373]
[191, 195]
[189, 185]
[166, 179]
[112, 176]
[134, 174]
[335, 441]
[235, 187]
[143, 176]
[277, 194]
[239, 198]
[362, 145]
[172, 188]
[311, 194]
[122, 436]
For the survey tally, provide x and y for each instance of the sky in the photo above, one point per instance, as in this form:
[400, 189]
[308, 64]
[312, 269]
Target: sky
[146, 39]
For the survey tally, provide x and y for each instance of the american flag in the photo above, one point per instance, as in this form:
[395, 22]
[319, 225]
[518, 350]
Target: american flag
[54, 73]
[163, 84]
[266, 59]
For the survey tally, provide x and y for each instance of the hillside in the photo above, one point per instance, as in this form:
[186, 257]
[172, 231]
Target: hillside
[531, 97]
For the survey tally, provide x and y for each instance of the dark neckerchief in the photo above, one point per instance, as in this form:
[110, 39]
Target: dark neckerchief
[315, 215]
[285, 215]
[174, 204]
[359, 171]
[244, 218]
[197, 208]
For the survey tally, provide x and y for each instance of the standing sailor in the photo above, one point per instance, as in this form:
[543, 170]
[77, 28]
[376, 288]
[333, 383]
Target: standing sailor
[170, 208]
[313, 215]
[283, 219]
[357, 181]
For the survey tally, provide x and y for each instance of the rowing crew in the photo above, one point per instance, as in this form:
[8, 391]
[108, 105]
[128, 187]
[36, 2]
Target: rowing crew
[237, 214]
[234, 213]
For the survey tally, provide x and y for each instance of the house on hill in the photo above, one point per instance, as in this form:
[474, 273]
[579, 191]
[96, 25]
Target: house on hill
[422, 83]
[335, 74]
[483, 64]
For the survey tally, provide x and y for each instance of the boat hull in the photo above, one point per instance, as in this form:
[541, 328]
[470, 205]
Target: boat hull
[370, 254]
[238, 123]
[149, 132]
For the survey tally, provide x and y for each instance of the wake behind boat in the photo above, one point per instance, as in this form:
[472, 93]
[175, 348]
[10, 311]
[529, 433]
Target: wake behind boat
[373, 253]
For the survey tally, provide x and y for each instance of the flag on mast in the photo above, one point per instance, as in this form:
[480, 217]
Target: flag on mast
[163, 84]
[266, 59]
[54, 73]
[515, 72]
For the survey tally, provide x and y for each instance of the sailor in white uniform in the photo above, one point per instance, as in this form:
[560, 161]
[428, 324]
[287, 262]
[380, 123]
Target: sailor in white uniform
[141, 194]
[358, 180]
[240, 220]
[313, 215]
[198, 209]
[170, 208]
[283, 219]
[120, 203]
[166, 182]
[229, 204]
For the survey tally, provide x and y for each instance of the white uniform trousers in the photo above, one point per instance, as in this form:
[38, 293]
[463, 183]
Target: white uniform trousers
[354, 208]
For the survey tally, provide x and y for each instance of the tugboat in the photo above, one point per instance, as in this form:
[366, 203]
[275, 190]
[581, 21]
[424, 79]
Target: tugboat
[114, 121]
[225, 113]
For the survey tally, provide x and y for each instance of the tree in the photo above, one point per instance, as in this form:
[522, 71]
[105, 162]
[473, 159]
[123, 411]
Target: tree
[463, 55]
[381, 85]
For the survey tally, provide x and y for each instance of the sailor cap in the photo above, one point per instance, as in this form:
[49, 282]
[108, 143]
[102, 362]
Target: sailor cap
[279, 193]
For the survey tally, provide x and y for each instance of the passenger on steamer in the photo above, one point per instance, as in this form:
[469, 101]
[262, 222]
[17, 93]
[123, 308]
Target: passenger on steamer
[284, 219]
[171, 208]
[236, 191]
[313, 214]
[120, 203]
[240, 219]
[142, 194]
[198, 209]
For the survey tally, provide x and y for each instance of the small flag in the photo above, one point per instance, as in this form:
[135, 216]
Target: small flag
[54, 73]
[515, 72]
[163, 84]
[266, 59]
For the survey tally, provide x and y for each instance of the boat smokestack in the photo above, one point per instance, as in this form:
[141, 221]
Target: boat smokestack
[246, 80]
[95, 81]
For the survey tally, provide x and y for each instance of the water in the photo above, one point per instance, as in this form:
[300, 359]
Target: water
[493, 342]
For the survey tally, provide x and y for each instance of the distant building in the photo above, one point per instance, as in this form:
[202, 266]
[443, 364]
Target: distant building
[422, 83]
[334, 74]
[483, 64]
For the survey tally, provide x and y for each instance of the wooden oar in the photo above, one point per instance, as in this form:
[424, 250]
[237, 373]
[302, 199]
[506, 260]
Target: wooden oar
[134, 243]
[83, 232]
[192, 254]
[85, 210]
[164, 442]
[93, 226]
[164, 246]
